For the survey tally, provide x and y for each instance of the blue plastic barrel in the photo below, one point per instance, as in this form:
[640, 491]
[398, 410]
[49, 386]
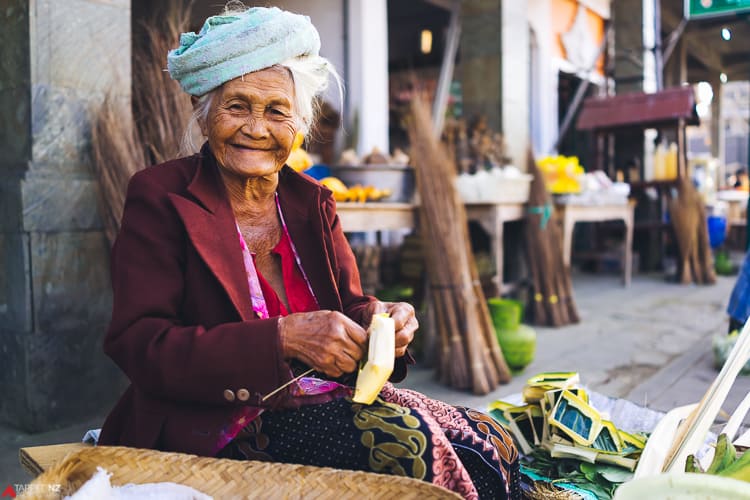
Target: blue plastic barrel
[717, 230]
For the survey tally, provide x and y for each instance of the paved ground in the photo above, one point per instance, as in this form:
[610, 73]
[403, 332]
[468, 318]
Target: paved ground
[649, 343]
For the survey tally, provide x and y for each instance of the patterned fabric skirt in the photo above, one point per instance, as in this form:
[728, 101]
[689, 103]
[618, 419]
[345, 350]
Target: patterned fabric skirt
[403, 433]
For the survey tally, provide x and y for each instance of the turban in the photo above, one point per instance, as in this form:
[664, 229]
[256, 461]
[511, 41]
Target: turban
[230, 46]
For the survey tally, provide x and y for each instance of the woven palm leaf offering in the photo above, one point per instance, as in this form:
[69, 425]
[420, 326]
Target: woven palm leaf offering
[568, 446]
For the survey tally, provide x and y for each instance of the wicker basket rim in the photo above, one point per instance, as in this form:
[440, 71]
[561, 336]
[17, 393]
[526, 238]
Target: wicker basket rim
[225, 478]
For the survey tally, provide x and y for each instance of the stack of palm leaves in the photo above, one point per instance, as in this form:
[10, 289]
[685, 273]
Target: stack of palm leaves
[469, 356]
[566, 444]
[553, 303]
[124, 141]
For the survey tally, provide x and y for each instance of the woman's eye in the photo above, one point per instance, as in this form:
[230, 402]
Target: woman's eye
[236, 107]
[277, 112]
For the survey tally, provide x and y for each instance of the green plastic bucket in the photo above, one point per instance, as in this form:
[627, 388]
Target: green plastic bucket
[506, 313]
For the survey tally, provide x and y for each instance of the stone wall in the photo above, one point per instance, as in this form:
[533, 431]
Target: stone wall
[58, 59]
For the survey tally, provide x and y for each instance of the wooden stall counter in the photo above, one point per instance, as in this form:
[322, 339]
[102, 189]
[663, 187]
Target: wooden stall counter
[384, 216]
[376, 216]
[492, 217]
[571, 213]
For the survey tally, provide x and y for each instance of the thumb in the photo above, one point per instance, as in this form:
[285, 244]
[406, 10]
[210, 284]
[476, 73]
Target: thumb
[376, 307]
[379, 307]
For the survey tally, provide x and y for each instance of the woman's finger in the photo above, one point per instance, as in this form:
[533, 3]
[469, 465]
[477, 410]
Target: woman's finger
[373, 308]
[354, 332]
[401, 312]
[405, 335]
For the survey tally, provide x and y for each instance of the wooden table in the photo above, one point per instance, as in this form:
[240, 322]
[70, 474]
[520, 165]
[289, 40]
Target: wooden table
[570, 214]
[379, 216]
[376, 216]
[492, 217]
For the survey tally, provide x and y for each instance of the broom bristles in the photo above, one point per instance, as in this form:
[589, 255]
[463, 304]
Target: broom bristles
[552, 296]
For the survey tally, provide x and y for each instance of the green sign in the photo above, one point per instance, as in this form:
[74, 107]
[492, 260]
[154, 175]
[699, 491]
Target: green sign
[697, 9]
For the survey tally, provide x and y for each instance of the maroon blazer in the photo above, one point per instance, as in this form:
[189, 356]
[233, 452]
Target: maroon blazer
[183, 328]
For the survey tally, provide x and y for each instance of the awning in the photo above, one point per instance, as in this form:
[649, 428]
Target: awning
[639, 110]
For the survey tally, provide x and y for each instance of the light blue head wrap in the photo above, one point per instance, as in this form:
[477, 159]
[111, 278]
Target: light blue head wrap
[228, 47]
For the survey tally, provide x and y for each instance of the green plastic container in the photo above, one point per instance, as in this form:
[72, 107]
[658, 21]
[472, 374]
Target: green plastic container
[517, 341]
[518, 346]
[506, 313]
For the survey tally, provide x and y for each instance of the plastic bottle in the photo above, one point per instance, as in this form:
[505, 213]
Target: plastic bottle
[671, 162]
[659, 162]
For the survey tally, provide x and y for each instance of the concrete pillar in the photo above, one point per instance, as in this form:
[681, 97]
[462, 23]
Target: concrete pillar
[717, 130]
[544, 76]
[367, 66]
[59, 59]
[515, 78]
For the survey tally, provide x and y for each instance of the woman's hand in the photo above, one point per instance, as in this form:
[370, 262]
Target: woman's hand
[327, 341]
[404, 318]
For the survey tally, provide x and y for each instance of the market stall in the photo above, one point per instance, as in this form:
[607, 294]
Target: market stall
[669, 111]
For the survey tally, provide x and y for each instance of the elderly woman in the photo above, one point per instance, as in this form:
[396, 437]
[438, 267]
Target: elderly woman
[232, 276]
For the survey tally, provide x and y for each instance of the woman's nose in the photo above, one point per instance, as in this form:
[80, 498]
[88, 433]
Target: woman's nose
[256, 125]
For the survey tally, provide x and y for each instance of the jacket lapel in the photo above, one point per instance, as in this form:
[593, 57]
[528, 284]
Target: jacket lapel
[210, 225]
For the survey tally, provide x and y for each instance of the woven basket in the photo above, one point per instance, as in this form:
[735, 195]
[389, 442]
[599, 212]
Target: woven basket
[223, 478]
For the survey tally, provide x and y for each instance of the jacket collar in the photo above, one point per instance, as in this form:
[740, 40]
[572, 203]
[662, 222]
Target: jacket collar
[210, 224]
[211, 227]
[207, 186]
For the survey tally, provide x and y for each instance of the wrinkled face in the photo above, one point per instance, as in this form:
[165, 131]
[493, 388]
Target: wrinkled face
[251, 123]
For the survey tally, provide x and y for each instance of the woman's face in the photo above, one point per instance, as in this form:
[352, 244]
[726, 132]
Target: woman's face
[251, 123]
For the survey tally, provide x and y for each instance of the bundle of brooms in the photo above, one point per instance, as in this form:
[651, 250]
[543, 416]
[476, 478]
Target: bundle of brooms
[688, 217]
[552, 293]
[124, 142]
[469, 355]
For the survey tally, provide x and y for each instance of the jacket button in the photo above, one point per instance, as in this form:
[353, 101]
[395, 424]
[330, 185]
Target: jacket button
[243, 394]
[229, 395]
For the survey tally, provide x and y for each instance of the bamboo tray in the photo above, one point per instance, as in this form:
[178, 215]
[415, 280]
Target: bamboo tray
[37, 459]
[223, 478]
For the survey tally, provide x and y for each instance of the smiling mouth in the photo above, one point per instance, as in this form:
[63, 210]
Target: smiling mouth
[250, 148]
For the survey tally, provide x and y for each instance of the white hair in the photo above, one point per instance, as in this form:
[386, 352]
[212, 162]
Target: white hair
[311, 76]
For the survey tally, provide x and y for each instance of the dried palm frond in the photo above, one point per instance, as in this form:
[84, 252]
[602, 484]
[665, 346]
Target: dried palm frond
[160, 108]
[117, 155]
[125, 139]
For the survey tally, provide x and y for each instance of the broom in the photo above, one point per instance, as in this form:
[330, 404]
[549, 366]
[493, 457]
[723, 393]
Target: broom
[469, 356]
[688, 217]
[552, 297]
